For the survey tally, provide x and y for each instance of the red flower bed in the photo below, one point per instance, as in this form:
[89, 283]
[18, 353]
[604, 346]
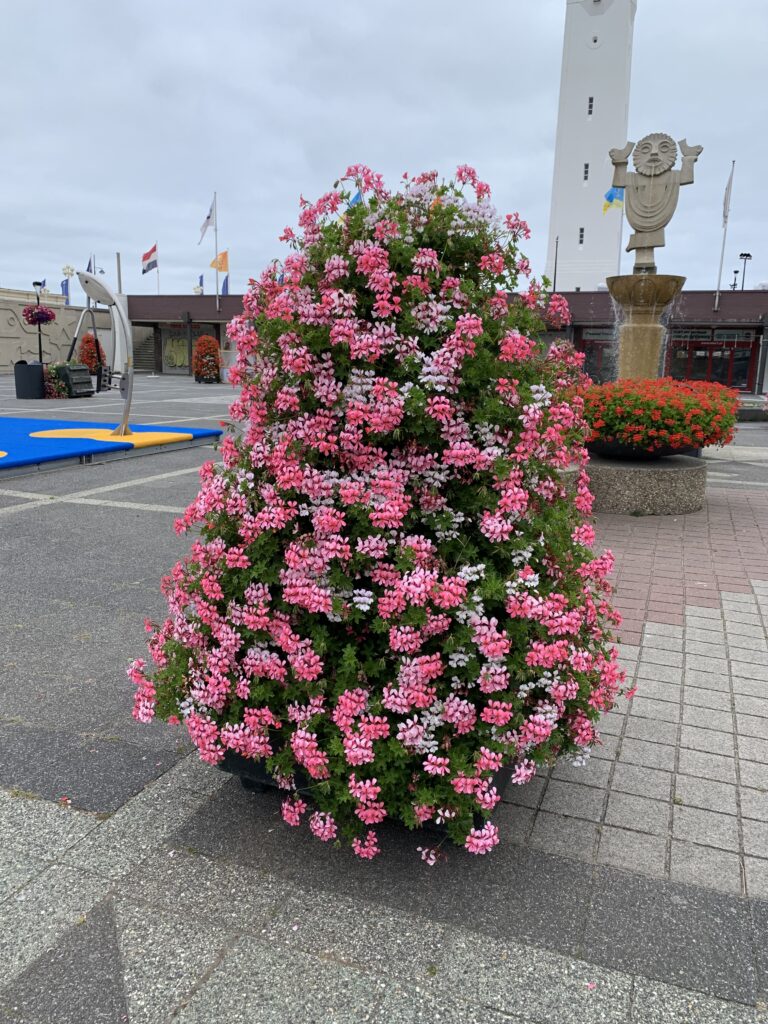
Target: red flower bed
[664, 413]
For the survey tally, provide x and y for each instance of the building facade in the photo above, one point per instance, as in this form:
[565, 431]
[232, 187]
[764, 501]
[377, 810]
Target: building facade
[729, 345]
[584, 242]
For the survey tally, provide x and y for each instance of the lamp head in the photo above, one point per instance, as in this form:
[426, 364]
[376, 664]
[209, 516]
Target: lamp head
[94, 288]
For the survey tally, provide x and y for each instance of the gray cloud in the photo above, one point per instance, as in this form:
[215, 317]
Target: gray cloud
[119, 120]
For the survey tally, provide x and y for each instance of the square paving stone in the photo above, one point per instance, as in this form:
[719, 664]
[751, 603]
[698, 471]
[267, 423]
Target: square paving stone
[706, 828]
[569, 837]
[748, 705]
[744, 629]
[713, 635]
[638, 813]
[708, 740]
[755, 838]
[647, 782]
[643, 706]
[652, 730]
[754, 775]
[708, 766]
[754, 803]
[749, 687]
[703, 865]
[684, 935]
[669, 692]
[661, 673]
[757, 877]
[753, 749]
[409, 1004]
[528, 795]
[748, 671]
[606, 749]
[659, 656]
[705, 793]
[633, 851]
[612, 724]
[575, 800]
[751, 725]
[650, 755]
[753, 655]
[662, 629]
[593, 773]
[707, 717]
[707, 680]
[515, 823]
[698, 663]
[661, 643]
[708, 650]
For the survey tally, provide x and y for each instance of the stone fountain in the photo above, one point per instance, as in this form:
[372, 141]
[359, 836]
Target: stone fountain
[650, 198]
[676, 484]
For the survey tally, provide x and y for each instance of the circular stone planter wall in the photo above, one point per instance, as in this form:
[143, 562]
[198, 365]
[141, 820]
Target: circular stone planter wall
[672, 486]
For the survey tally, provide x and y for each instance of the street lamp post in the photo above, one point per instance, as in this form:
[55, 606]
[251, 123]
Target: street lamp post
[735, 282]
[744, 257]
[37, 285]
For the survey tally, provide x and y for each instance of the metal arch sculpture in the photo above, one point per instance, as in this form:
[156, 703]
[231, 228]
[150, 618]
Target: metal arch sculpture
[123, 340]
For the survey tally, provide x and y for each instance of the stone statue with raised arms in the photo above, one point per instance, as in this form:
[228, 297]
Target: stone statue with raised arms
[651, 190]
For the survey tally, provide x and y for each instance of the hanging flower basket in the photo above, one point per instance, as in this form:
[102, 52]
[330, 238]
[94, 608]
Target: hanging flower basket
[38, 315]
[392, 598]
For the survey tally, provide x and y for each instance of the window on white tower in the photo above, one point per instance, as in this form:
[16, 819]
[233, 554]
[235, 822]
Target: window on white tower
[590, 106]
[586, 172]
[581, 236]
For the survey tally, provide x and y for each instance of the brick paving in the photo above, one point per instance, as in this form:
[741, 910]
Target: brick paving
[679, 788]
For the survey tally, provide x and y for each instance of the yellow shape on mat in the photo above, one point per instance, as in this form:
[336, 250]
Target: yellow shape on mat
[142, 439]
[3, 454]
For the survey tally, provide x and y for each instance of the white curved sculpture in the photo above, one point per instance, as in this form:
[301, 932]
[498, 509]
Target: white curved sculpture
[123, 340]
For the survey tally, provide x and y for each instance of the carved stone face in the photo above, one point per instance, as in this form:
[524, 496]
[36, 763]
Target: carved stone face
[654, 154]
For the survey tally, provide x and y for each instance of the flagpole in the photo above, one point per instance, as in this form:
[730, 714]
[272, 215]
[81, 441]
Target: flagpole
[157, 267]
[216, 244]
[726, 212]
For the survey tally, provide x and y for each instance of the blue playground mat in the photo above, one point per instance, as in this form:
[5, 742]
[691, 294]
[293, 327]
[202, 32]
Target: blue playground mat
[29, 442]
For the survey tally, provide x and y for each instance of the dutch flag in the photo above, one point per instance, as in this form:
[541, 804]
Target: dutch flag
[149, 260]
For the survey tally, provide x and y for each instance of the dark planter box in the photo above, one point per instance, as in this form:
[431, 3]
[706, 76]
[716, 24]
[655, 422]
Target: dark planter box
[28, 378]
[254, 777]
[617, 450]
[77, 380]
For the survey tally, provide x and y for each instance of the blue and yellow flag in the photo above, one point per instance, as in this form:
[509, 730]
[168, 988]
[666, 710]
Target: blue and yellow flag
[613, 197]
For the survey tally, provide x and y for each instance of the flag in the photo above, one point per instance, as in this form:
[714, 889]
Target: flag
[42, 284]
[225, 286]
[221, 262]
[613, 197]
[727, 196]
[89, 268]
[356, 199]
[200, 282]
[65, 290]
[210, 220]
[149, 260]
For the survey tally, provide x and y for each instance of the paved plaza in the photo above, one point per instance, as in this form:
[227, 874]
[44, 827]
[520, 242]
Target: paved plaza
[139, 885]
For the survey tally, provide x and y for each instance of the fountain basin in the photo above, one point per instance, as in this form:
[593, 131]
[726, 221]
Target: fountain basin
[643, 299]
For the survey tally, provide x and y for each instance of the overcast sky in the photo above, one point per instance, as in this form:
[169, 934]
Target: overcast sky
[119, 119]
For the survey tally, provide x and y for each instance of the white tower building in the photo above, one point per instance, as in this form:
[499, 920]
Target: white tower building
[592, 118]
